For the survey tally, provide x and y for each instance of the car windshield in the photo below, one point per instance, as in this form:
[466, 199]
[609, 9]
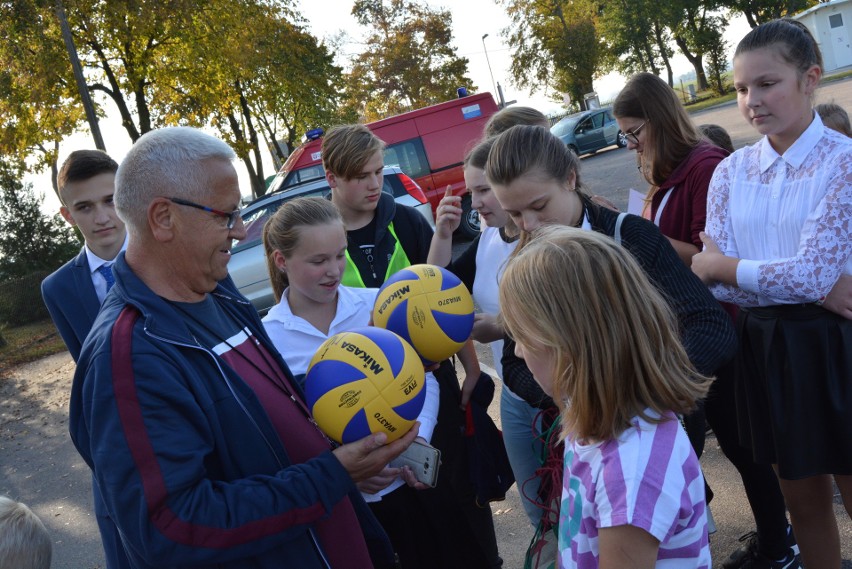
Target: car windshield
[565, 125]
[256, 215]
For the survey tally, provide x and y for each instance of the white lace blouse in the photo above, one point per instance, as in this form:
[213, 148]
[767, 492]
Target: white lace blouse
[787, 217]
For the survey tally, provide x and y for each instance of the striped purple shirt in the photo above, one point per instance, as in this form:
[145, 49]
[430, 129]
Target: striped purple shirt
[649, 478]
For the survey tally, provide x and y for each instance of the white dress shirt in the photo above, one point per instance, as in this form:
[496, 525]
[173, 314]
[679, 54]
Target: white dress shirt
[298, 340]
[95, 263]
[787, 217]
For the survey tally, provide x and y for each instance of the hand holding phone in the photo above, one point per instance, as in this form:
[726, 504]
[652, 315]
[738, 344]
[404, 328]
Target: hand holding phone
[423, 460]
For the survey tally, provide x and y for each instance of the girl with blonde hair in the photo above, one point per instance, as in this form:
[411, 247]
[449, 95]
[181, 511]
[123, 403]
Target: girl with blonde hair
[601, 340]
[536, 180]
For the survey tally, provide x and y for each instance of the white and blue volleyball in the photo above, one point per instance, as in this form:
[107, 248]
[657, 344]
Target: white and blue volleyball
[429, 307]
[364, 381]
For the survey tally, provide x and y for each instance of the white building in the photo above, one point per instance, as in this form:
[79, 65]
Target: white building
[831, 25]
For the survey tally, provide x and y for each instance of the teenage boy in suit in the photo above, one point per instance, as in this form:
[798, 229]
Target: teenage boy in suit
[74, 293]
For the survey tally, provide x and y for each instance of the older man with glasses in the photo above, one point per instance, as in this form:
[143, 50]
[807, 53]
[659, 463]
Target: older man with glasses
[198, 437]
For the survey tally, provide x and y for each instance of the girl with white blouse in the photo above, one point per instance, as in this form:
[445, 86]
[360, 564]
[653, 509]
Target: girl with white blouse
[305, 244]
[777, 242]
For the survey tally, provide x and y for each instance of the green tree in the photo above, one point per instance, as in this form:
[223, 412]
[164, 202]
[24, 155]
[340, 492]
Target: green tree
[409, 60]
[717, 63]
[270, 80]
[697, 28]
[39, 105]
[30, 241]
[131, 50]
[633, 32]
[760, 11]
[556, 45]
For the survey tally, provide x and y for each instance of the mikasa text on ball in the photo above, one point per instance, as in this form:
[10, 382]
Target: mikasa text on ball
[368, 380]
[429, 307]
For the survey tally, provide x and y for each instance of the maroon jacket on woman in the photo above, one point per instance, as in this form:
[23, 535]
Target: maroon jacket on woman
[685, 211]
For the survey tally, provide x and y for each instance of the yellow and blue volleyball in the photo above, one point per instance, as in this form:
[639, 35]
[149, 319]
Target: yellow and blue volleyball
[364, 381]
[429, 307]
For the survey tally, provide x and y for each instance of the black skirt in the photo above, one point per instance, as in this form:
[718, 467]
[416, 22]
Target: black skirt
[794, 389]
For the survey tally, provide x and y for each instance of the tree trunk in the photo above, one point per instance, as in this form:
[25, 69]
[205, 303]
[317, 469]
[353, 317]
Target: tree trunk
[258, 183]
[54, 166]
[114, 92]
[648, 50]
[54, 169]
[696, 61]
[244, 156]
[661, 44]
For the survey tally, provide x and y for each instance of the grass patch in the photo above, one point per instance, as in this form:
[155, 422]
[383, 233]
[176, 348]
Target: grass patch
[707, 99]
[710, 102]
[29, 342]
[837, 76]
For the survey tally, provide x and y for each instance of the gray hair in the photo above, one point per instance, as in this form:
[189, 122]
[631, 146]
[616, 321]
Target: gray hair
[165, 162]
[24, 541]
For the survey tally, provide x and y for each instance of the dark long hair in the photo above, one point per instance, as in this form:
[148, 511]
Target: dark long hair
[670, 135]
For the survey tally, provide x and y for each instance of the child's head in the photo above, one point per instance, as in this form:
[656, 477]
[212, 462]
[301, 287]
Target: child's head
[305, 246]
[535, 177]
[717, 135]
[597, 335]
[505, 119]
[789, 39]
[777, 68]
[482, 199]
[353, 160]
[664, 133]
[24, 541]
[834, 117]
[86, 183]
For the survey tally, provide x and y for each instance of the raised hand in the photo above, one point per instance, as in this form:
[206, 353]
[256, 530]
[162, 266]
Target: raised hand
[448, 214]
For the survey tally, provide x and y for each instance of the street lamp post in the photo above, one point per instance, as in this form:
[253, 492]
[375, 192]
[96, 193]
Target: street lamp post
[489, 63]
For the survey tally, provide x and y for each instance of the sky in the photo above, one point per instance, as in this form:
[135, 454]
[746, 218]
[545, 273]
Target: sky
[471, 20]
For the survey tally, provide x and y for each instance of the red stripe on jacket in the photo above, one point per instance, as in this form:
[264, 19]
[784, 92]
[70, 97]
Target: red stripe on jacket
[145, 459]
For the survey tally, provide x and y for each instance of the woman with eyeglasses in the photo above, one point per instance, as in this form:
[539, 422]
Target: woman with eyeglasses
[678, 163]
[674, 157]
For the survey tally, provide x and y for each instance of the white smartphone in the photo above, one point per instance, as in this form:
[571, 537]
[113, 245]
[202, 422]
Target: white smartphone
[423, 459]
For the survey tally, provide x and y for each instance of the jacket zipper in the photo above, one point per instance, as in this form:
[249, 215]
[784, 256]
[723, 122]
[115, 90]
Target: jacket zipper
[314, 540]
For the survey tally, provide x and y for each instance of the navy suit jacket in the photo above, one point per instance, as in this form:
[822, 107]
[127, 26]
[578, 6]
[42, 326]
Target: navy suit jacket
[72, 302]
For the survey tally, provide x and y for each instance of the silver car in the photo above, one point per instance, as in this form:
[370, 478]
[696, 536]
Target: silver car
[589, 131]
[248, 262]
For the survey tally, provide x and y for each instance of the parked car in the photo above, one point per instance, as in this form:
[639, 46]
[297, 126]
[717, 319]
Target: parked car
[248, 261]
[428, 144]
[589, 131]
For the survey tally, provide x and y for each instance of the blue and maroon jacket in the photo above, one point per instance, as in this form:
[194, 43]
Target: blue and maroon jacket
[188, 462]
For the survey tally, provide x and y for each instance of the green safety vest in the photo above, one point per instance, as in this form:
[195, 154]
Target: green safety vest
[399, 260]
